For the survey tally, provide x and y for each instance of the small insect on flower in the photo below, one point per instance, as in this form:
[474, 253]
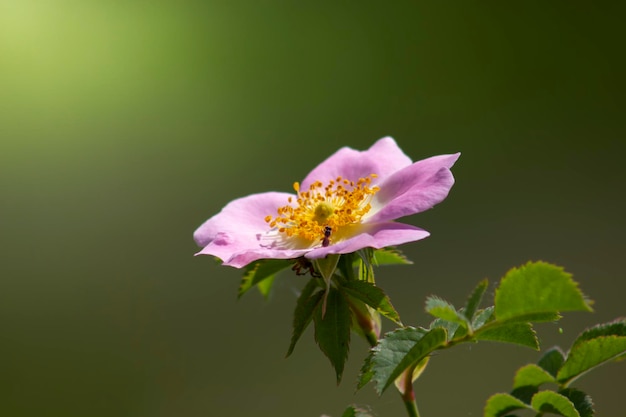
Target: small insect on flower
[350, 201]
[326, 239]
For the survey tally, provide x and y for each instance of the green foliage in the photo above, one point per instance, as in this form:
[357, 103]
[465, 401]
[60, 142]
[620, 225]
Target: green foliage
[481, 317]
[582, 402]
[338, 302]
[389, 256]
[533, 292]
[552, 360]
[264, 271]
[537, 290]
[555, 403]
[373, 296]
[445, 311]
[474, 300]
[265, 286]
[399, 350]
[520, 333]
[500, 404]
[306, 305]
[532, 375]
[593, 347]
[354, 411]
[332, 330]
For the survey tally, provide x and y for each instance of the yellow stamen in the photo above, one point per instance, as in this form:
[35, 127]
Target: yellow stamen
[339, 204]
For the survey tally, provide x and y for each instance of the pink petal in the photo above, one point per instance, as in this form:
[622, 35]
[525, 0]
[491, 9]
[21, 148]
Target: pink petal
[245, 215]
[413, 189]
[383, 158]
[376, 236]
[243, 258]
[238, 227]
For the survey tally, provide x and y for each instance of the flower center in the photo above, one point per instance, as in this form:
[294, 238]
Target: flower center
[324, 210]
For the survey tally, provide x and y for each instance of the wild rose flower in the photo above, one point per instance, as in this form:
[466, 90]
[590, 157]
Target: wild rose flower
[348, 202]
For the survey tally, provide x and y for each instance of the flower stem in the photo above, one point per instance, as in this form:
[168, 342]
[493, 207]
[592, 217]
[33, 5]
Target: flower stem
[409, 402]
[407, 393]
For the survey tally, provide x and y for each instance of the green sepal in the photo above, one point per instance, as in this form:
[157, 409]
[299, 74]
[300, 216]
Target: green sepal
[500, 404]
[261, 270]
[516, 332]
[307, 303]
[473, 302]
[537, 288]
[366, 321]
[552, 402]
[265, 286]
[332, 330]
[365, 266]
[326, 266]
[347, 264]
[354, 411]
[373, 296]
[398, 351]
[389, 256]
[592, 348]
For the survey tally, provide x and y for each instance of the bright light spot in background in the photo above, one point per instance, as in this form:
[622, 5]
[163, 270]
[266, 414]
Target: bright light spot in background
[67, 65]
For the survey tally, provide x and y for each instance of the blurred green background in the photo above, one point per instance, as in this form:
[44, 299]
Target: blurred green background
[124, 125]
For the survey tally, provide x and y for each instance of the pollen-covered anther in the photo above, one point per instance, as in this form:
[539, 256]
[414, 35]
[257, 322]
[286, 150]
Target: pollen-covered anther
[341, 202]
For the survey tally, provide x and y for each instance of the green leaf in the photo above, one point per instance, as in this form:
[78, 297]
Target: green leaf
[398, 351]
[442, 309]
[451, 327]
[473, 302]
[354, 411]
[552, 360]
[552, 402]
[536, 289]
[389, 256]
[532, 375]
[500, 404]
[382, 358]
[582, 402]
[261, 270]
[589, 354]
[613, 328]
[481, 317]
[373, 296]
[332, 330]
[307, 303]
[516, 332]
